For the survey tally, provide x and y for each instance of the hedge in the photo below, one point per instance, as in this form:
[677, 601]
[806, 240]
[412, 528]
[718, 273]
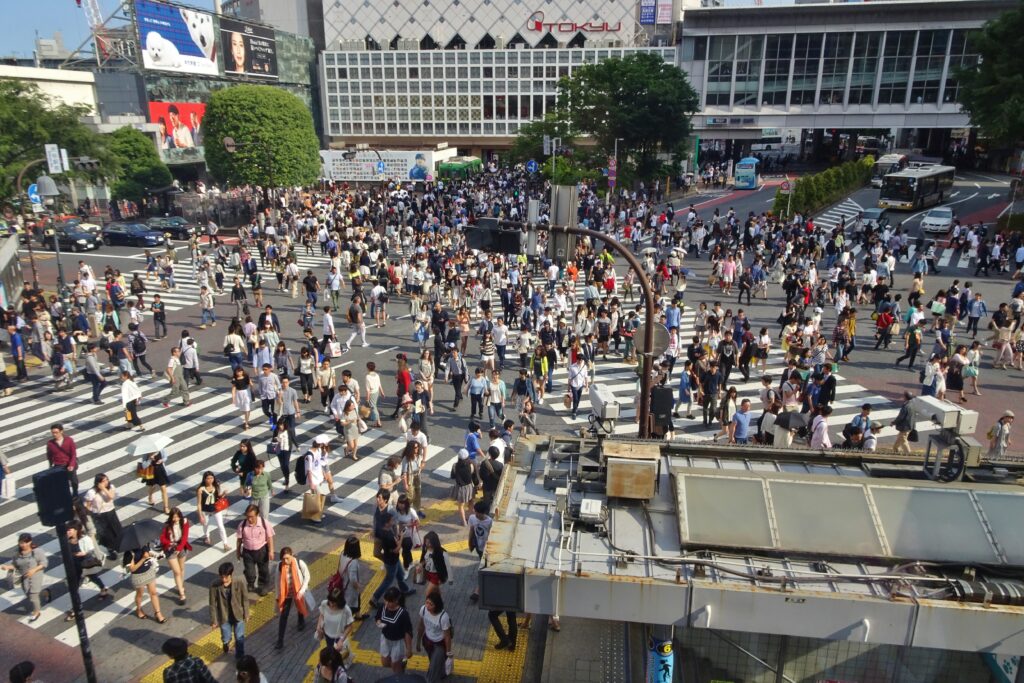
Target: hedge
[814, 192]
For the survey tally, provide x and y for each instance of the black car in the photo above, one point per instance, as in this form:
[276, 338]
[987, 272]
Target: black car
[176, 226]
[72, 238]
[131, 234]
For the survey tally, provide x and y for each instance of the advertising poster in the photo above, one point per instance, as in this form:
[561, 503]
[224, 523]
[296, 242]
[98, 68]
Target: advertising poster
[248, 50]
[664, 12]
[647, 12]
[398, 165]
[181, 132]
[176, 39]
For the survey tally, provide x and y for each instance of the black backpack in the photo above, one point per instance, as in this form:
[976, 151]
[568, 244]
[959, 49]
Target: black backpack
[300, 470]
[138, 344]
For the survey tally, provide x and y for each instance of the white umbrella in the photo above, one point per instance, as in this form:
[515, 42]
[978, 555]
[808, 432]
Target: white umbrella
[149, 443]
[648, 250]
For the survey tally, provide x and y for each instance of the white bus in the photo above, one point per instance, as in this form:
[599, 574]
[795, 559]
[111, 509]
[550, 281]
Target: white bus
[890, 163]
[916, 188]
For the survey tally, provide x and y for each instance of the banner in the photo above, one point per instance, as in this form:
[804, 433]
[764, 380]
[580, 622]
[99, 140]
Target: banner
[365, 167]
[661, 663]
[176, 39]
[181, 133]
[647, 12]
[249, 50]
[664, 12]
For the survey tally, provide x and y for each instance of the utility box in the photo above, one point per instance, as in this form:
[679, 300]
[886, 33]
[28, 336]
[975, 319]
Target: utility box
[631, 470]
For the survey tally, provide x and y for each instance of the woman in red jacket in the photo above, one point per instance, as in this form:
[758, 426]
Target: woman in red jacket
[174, 542]
[403, 381]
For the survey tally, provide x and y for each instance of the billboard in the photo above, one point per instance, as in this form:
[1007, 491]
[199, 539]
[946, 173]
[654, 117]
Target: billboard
[664, 14]
[398, 165]
[176, 39]
[647, 12]
[248, 50]
[181, 133]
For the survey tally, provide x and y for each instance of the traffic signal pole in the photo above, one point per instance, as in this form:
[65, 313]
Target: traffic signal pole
[644, 410]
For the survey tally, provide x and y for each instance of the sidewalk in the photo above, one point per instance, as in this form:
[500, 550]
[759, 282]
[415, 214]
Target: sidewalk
[586, 651]
[475, 656]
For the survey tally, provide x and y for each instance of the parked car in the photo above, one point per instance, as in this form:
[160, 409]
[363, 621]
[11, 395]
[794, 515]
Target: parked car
[81, 226]
[131, 234]
[176, 226]
[939, 220]
[72, 238]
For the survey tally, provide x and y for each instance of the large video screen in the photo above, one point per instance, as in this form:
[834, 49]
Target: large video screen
[181, 133]
[248, 50]
[176, 39]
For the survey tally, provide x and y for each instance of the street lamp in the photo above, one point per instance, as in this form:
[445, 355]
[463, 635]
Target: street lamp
[24, 202]
[47, 189]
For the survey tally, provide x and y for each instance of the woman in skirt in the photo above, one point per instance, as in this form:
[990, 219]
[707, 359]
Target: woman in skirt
[142, 566]
[174, 543]
[99, 501]
[154, 474]
[465, 482]
[241, 394]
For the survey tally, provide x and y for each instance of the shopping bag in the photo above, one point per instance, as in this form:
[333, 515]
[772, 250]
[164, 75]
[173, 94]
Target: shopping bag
[449, 666]
[334, 349]
[362, 426]
[312, 506]
[567, 400]
[311, 605]
[419, 575]
[8, 489]
[364, 411]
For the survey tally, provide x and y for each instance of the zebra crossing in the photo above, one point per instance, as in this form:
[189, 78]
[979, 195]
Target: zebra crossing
[186, 291]
[205, 436]
[844, 211]
[621, 380]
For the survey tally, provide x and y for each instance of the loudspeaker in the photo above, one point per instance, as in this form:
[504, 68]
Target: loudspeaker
[53, 495]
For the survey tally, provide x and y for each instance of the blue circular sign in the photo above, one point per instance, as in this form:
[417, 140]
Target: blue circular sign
[33, 194]
[531, 166]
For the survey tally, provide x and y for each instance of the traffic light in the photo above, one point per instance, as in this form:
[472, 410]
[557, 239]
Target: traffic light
[86, 164]
[489, 236]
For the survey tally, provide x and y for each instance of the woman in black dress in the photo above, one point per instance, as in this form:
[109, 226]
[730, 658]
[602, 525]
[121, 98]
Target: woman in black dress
[153, 473]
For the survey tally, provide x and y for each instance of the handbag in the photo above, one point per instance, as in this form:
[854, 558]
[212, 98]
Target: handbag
[364, 411]
[913, 436]
[334, 349]
[127, 415]
[567, 400]
[312, 506]
[144, 472]
[221, 504]
[419, 575]
[362, 426]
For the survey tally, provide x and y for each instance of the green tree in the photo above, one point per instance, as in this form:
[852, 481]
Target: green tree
[992, 92]
[529, 142]
[277, 144]
[139, 167]
[638, 98]
[28, 120]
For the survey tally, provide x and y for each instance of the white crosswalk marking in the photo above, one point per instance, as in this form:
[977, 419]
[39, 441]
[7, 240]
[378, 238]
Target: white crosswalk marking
[205, 436]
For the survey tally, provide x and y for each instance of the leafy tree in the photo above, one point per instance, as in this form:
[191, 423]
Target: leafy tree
[28, 120]
[529, 143]
[277, 144]
[992, 92]
[638, 98]
[139, 165]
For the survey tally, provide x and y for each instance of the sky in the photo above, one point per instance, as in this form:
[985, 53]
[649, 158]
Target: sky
[22, 19]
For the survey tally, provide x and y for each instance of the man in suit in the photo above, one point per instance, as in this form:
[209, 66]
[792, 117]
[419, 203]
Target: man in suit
[268, 314]
[508, 304]
[827, 395]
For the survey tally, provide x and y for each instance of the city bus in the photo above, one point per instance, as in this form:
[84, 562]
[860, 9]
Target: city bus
[916, 188]
[890, 163]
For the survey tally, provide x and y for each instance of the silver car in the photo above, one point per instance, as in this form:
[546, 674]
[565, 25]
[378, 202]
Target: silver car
[938, 221]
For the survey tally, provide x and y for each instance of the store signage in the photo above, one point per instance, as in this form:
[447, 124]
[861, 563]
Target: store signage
[537, 23]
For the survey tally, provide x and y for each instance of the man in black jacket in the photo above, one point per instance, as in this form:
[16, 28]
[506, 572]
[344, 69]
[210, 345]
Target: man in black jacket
[827, 395]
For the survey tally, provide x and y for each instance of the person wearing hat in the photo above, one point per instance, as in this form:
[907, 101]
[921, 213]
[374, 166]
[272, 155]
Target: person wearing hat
[184, 668]
[999, 435]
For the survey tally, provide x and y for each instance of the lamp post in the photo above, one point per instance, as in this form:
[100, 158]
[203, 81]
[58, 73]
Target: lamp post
[615, 155]
[555, 142]
[24, 200]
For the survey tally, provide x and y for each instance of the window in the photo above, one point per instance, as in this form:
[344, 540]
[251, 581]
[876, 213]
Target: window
[899, 49]
[865, 67]
[836, 64]
[931, 55]
[748, 70]
[720, 62]
[806, 59]
[777, 56]
[695, 48]
[513, 106]
[960, 55]
[499, 106]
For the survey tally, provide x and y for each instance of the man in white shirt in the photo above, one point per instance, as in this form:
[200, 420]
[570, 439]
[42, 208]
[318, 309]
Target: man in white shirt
[318, 469]
[190, 361]
[333, 282]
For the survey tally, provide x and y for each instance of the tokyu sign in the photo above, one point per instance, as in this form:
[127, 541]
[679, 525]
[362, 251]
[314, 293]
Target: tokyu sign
[537, 23]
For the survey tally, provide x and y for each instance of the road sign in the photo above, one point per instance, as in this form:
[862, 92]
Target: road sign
[381, 168]
[785, 188]
[64, 160]
[547, 145]
[53, 159]
[33, 194]
[531, 166]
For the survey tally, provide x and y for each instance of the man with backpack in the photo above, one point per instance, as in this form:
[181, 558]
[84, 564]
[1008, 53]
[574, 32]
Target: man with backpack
[140, 346]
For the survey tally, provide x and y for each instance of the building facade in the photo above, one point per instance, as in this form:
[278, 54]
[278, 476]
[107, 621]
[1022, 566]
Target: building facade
[472, 72]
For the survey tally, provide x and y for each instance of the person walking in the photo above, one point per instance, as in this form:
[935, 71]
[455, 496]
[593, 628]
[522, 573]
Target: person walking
[17, 343]
[184, 668]
[390, 555]
[207, 495]
[292, 586]
[175, 374]
[335, 622]
[151, 469]
[374, 391]
[999, 435]
[93, 373]
[396, 632]
[261, 488]
[435, 635]
[241, 394]
[87, 563]
[268, 387]
[62, 452]
[358, 322]
[190, 361]
[142, 567]
[229, 609]
[99, 501]
[255, 548]
[28, 565]
[288, 410]
[174, 543]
